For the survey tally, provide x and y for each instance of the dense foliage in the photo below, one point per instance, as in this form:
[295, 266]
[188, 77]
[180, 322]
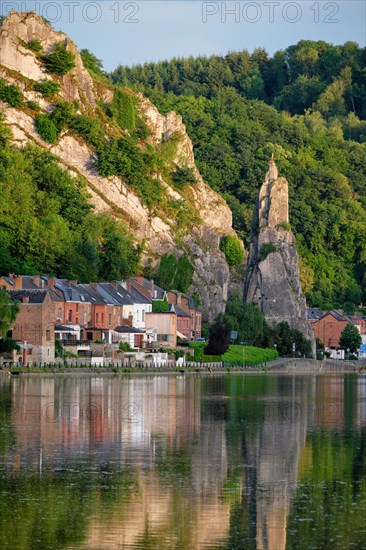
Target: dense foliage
[60, 60]
[308, 104]
[8, 311]
[219, 337]
[251, 327]
[47, 225]
[350, 338]
[232, 249]
[159, 306]
[47, 88]
[10, 94]
[175, 274]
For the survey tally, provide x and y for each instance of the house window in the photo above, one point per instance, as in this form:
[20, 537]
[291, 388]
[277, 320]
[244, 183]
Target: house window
[48, 335]
[143, 315]
[102, 318]
[97, 318]
[70, 315]
[77, 308]
[138, 315]
[59, 315]
[110, 319]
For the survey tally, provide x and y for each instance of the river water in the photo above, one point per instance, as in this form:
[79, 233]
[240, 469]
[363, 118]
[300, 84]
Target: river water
[190, 462]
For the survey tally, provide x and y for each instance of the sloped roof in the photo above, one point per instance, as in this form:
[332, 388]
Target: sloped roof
[180, 311]
[137, 297]
[314, 313]
[91, 294]
[129, 330]
[339, 316]
[117, 293]
[146, 283]
[36, 296]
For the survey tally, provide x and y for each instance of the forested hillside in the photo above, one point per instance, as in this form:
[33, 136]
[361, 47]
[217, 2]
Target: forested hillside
[308, 105]
[47, 224]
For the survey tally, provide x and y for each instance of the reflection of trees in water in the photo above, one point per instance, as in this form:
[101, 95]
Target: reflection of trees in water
[328, 510]
[7, 436]
[53, 510]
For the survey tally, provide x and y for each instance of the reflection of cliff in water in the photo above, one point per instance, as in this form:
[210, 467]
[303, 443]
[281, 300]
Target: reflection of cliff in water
[273, 458]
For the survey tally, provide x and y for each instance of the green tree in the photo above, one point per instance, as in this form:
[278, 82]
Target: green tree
[246, 319]
[9, 310]
[233, 249]
[91, 62]
[350, 338]
[60, 60]
[219, 335]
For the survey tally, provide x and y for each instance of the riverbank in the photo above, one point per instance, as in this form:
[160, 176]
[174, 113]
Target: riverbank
[279, 366]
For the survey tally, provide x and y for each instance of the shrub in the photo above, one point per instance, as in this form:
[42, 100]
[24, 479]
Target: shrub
[7, 345]
[123, 109]
[232, 249]
[35, 45]
[46, 128]
[183, 175]
[184, 274]
[266, 248]
[62, 115]
[87, 127]
[125, 346]
[60, 61]
[286, 226]
[160, 305]
[10, 93]
[47, 88]
[33, 105]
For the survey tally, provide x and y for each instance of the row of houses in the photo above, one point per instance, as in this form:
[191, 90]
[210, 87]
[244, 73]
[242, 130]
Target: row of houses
[329, 325]
[135, 311]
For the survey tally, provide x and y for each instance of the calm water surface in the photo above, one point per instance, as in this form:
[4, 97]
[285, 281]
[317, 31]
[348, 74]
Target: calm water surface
[183, 462]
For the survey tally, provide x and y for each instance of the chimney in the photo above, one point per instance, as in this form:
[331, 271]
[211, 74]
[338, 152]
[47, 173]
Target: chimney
[140, 279]
[130, 320]
[25, 299]
[128, 285]
[179, 299]
[37, 281]
[94, 285]
[152, 288]
[114, 284]
[18, 282]
[51, 282]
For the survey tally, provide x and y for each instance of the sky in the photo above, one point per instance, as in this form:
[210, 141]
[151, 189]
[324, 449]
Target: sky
[134, 32]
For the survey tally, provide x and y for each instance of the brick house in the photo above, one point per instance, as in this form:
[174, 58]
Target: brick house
[186, 304]
[329, 327]
[34, 323]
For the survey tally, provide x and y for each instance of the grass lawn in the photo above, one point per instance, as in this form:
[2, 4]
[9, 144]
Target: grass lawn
[235, 354]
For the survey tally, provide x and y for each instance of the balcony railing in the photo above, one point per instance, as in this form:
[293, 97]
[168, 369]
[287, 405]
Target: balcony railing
[75, 343]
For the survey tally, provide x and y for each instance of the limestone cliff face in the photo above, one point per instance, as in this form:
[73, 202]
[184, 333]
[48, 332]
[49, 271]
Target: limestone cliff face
[19, 65]
[272, 269]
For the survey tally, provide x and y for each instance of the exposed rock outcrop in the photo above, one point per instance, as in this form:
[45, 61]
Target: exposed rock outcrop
[20, 65]
[272, 269]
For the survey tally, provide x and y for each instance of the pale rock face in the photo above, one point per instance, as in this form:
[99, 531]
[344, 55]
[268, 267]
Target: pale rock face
[273, 282]
[212, 277]
[19, 28]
